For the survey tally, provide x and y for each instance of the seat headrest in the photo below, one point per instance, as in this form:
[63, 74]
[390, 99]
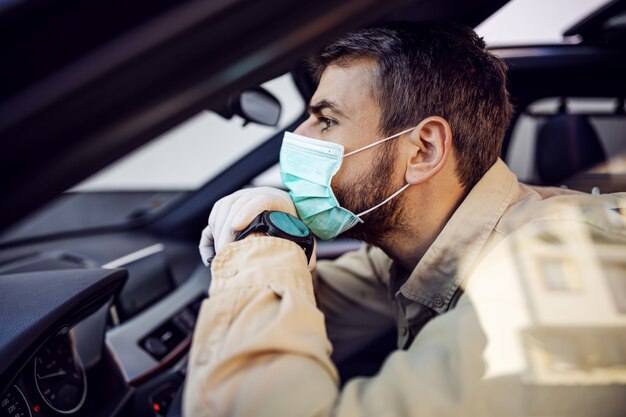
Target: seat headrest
[567, 144]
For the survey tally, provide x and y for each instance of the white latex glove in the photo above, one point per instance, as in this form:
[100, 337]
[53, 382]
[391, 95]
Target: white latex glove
[235, 212]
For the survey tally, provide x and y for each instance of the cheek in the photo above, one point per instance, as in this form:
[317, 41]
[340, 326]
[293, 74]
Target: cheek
[352, 168]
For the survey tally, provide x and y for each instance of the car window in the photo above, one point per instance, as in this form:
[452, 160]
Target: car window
[587, 122]
[192, 153]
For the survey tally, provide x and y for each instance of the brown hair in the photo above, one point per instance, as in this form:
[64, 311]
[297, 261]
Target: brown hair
[433, 69]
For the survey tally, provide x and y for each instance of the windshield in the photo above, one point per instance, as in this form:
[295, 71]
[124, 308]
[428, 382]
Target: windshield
[156, 175]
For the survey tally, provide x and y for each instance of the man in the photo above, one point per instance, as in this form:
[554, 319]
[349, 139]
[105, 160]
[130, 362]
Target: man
[407, 122]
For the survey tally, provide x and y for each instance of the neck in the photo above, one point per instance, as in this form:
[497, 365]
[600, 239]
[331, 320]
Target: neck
[423, 217]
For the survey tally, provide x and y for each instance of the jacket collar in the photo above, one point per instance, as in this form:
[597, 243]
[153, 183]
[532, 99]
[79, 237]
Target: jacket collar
[453, 254]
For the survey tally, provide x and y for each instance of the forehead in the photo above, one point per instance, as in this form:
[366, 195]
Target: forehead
[350, 86]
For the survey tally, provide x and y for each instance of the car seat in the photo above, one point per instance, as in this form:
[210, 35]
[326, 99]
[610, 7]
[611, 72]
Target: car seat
[567, 144]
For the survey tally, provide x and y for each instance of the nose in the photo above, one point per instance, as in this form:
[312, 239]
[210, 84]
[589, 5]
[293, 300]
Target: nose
[306, 129]
[301, 130]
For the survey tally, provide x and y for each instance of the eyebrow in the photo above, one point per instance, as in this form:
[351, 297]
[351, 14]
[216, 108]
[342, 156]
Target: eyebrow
[325, 104]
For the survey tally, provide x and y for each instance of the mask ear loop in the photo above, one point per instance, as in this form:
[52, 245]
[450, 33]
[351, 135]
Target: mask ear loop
[392, 196]
[371, 145]
[388, 199]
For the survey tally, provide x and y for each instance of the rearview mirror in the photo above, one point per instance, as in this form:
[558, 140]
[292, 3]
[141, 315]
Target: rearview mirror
[255, 105]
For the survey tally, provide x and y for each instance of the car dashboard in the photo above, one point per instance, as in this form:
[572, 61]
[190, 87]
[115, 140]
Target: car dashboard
[103, 351]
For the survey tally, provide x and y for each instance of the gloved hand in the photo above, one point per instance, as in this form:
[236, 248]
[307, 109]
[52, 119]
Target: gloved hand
[235, 212]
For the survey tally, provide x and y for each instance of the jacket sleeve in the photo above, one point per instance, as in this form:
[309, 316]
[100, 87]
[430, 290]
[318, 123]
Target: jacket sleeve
[352, 293]
[261, 349]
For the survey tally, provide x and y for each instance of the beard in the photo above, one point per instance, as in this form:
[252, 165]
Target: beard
[369, 189]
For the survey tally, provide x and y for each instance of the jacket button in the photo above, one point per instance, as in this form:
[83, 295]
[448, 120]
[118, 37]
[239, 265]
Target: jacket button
[438, 300]
[229, 273]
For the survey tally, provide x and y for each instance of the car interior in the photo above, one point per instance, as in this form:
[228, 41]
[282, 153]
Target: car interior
[100, 291]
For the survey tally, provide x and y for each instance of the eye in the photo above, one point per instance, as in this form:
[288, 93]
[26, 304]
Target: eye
[326, 122]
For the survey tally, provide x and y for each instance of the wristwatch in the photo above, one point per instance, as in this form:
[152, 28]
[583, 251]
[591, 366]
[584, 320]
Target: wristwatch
[283, 225]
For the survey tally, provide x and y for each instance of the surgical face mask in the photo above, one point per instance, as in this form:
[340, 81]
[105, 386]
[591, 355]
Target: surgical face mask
[307, 167]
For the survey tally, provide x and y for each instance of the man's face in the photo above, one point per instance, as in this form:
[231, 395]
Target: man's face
[344, 111]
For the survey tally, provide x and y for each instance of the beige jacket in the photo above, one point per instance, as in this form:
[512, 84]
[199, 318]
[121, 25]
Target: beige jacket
[539, 328]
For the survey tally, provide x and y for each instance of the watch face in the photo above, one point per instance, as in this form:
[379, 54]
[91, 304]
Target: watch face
[289, 224]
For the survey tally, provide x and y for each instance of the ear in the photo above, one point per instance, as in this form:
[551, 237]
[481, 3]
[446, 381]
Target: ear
[431, 142]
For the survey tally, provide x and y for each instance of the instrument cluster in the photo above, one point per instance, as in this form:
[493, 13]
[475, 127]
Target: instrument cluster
[53, 382]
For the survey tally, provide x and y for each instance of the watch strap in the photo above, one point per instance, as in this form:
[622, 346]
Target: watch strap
[257, 225]
[261, 224]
